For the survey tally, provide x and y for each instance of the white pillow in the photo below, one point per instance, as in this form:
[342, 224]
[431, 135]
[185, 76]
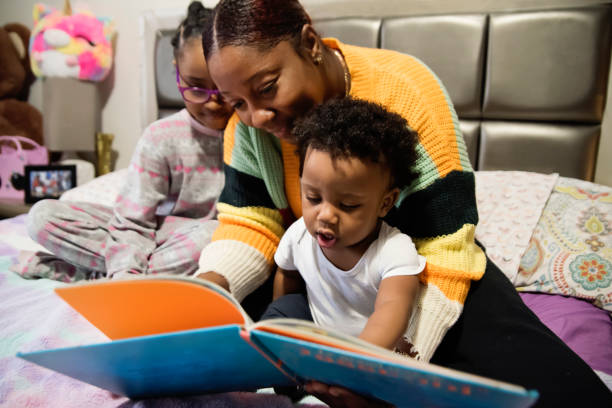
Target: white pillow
[101, 190]
[509, 206]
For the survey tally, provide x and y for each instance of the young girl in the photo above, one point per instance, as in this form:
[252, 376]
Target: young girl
[164, 214]
[361, 275]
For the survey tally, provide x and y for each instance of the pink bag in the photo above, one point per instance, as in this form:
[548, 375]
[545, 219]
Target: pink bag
[13, 158]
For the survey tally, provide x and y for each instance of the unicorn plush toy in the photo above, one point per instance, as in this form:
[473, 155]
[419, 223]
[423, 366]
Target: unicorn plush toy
[76, 45]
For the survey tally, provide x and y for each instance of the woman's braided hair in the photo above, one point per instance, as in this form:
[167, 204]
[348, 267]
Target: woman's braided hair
[257, 23]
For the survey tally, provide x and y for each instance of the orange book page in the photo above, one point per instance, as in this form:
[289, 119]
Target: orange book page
[139, 307]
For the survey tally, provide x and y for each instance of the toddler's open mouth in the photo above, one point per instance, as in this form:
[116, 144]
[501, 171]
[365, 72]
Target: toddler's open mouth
[325, 240]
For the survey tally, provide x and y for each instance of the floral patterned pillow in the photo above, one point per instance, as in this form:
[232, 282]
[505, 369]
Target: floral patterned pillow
[570, 252]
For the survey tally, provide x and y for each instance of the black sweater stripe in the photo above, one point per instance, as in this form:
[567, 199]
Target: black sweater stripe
[441, 209]
[244, 190]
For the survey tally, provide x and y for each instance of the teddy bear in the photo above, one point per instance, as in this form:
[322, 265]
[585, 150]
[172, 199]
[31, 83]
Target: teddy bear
[17, 116]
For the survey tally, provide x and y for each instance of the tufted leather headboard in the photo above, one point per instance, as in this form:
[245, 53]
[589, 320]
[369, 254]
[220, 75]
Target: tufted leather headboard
[529, 87]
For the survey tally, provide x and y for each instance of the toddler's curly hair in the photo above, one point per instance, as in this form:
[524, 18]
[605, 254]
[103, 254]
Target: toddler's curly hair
[349, 127]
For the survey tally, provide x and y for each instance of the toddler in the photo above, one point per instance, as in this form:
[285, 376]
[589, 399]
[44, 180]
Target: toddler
[360, 274]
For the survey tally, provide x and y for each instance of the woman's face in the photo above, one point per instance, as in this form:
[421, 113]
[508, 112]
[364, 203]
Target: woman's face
[267, 89]
[215, 112]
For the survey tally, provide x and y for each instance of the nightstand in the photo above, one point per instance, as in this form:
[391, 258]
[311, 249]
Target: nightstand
[11, 207]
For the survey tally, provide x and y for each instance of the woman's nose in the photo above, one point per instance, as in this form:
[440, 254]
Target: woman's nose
[261, 117]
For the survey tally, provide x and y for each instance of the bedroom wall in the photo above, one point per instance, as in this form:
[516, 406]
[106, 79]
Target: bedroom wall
[121, 91]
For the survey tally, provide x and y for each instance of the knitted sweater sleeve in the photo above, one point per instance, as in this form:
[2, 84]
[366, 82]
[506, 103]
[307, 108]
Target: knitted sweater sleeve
[131, 238]
[250, 223]
[439, 212]
[439, 209]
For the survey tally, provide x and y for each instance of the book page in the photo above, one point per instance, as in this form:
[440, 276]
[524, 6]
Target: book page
[153, 304]
[309, 332]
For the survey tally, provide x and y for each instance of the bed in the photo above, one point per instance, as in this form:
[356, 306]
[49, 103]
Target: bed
[529, 88]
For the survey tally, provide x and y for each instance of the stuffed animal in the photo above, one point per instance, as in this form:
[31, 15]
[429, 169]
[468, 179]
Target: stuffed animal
[66, 44]
[17, 116]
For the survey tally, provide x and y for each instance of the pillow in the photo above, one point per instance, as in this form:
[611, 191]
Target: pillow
[101, 190]
[570, 252]
[509, 206]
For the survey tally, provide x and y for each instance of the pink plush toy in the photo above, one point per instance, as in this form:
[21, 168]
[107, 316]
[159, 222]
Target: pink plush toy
[75, 45]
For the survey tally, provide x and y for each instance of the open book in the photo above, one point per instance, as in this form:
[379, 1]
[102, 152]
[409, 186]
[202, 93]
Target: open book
[172, 335]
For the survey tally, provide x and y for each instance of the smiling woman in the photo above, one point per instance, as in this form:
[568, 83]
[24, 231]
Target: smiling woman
[272, 74]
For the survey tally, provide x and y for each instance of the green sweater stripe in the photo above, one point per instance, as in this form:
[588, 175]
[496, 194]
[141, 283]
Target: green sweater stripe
[257, 153]
[427, 170]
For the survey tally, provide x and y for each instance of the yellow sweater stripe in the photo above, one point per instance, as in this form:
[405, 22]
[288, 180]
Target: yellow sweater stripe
[438, 121]
[455, 255]
[269, 218]
[228, 138]
[251, 237]
[415, 94]
[456, 251]
[258, 227]
[459, 140]
[291, 169]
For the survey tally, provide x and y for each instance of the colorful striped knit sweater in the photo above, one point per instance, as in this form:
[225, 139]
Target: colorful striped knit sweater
[438, 210]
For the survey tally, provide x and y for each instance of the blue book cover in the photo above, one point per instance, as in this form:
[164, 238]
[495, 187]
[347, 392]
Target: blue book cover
[180, 363]
[395, 379]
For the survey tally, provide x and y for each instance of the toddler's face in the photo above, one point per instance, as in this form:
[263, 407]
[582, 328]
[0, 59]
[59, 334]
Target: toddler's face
[342, 201]
[194, 73]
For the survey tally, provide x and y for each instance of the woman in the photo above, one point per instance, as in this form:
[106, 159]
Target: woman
[272, 67]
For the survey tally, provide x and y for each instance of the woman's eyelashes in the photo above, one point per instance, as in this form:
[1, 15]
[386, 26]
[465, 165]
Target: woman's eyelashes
[268, 88]
[237, 105]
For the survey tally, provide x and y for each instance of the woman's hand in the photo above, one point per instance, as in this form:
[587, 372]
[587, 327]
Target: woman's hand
[339, 397]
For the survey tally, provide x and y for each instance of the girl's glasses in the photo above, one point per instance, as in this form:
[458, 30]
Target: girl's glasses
[194, 94]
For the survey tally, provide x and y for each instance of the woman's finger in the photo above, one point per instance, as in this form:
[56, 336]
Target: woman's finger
[340, 397]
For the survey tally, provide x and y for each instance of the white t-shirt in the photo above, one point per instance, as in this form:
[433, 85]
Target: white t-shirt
[344, 300]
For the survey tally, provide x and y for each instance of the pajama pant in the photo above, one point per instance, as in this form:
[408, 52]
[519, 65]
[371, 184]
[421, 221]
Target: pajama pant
[76, 233]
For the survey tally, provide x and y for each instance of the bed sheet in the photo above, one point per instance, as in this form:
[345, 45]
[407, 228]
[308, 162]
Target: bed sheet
[32, 317]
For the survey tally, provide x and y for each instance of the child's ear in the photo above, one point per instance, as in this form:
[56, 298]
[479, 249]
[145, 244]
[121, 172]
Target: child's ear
[388, 201]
